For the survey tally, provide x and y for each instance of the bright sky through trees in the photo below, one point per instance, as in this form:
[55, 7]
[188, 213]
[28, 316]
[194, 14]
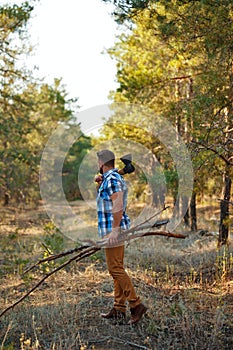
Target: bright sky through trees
[70, 37]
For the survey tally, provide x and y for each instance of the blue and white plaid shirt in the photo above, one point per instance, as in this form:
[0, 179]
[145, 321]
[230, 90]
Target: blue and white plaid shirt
[112, 182]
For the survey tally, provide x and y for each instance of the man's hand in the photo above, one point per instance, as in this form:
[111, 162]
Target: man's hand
[98, 179]
[113, 236]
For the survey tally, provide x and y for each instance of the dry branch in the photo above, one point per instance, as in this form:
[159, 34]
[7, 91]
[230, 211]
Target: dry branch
[141, 225]
[224, 200]
[129, 236]
[56, 256]
[89, 251]
[92, 247]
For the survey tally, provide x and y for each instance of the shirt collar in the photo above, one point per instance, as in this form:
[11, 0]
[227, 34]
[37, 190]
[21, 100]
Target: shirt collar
[109, 172]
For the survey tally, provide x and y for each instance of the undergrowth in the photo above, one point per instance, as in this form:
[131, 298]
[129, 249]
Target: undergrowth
[186, 284]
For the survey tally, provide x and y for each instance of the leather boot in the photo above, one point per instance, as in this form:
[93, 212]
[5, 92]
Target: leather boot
[115, 314]
[137, 313]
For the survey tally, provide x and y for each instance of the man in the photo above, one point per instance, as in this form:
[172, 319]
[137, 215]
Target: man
[112, 219]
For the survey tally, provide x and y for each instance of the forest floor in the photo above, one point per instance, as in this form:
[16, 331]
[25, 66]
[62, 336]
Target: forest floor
[186, 284]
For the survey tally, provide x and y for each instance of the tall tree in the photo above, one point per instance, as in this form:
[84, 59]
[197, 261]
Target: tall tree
[178, 60]
[13, 20]
[207, 29]
[29, 110]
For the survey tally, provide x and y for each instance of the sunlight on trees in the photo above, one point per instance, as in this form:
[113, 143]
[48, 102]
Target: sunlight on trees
[177, 60]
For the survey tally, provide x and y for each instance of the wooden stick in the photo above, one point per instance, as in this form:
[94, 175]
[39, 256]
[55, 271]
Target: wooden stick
[128, 236]
[137, 227]
[88, 252]
[160, 233]
[141, 226]
[56, 256]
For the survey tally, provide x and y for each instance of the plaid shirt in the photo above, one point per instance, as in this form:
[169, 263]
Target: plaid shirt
[112, 182]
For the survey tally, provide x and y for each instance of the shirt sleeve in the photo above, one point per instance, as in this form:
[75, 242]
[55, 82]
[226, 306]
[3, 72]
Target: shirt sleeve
[114, 185]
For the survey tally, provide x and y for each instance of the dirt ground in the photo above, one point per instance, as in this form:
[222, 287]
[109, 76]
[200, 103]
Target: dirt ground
[186, 284]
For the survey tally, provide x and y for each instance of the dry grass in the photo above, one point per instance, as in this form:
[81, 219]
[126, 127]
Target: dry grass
[187, 285]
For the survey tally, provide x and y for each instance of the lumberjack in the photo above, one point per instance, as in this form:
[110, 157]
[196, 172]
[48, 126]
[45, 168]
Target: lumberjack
[112, 221]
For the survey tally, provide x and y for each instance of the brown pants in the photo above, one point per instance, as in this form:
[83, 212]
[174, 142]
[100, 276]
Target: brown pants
[123, 287]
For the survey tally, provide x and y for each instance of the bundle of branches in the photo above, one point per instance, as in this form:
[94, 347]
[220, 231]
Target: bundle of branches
[90, 247]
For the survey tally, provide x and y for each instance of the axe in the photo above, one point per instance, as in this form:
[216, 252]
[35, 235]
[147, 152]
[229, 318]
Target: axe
[128, 168]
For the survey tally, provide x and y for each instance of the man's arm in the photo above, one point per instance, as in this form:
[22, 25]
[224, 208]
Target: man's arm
[117, 210]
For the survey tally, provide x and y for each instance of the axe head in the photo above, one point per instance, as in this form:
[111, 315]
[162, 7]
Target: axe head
[127, 160]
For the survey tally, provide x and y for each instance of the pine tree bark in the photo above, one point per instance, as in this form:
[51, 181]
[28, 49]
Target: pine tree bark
[224, 209]
[193, 212]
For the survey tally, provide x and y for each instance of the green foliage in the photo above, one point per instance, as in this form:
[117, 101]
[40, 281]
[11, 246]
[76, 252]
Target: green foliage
[8, 347]
[171, 177]
[15, 252]
[27, 122]
[177, 60]
[53, 242]
[178, 308]
[53, 239]
[97, 257]
[71, 167]
[29, 111]
[127, 10]
[15, 17]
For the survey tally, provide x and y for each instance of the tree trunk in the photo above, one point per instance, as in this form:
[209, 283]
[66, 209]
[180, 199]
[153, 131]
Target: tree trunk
[193, 212]
[186, 216]
[178, 114]
[224, 209]
[6, 198]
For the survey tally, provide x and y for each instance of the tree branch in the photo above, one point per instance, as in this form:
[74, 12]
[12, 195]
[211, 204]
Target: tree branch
[209, 148]
[82, 255]
[56, 256]
[85, 251]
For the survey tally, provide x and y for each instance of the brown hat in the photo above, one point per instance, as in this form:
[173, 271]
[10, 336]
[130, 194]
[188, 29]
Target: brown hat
[105, 155]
